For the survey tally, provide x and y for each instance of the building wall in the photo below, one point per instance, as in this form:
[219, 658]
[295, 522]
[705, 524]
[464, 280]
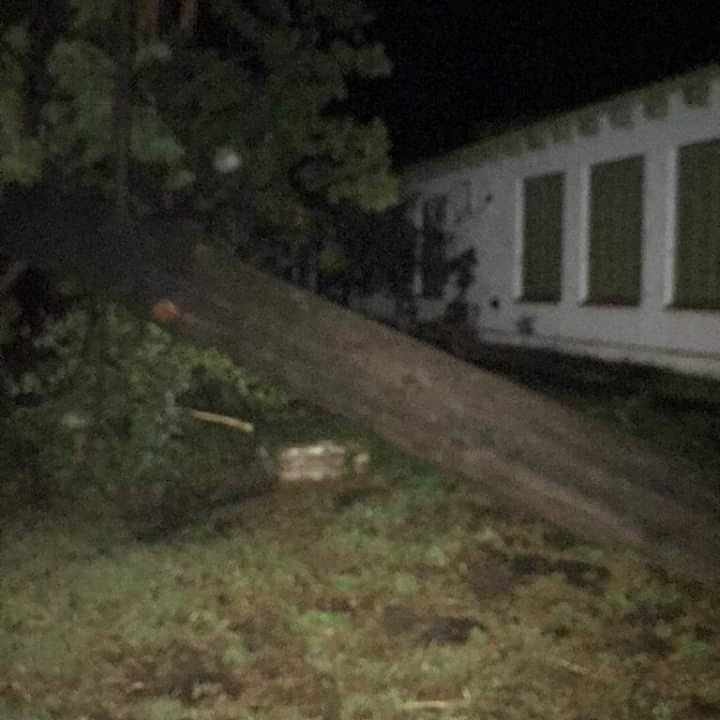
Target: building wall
[652, 332]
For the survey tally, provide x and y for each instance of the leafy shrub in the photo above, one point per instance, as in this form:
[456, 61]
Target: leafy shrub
[102, 406]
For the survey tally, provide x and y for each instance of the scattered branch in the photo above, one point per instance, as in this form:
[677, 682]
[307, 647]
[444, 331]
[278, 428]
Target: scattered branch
[227, 420]
[419, 705]
[568, 665]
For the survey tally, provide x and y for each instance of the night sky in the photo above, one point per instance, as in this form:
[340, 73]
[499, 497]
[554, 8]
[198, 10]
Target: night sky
[461, 65]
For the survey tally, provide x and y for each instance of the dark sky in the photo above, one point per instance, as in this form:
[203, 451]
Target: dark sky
[459, 64]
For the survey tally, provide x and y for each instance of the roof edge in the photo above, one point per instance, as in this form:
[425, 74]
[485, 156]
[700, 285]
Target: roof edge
[585, 120]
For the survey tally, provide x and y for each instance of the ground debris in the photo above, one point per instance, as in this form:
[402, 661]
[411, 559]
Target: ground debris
[320, 461]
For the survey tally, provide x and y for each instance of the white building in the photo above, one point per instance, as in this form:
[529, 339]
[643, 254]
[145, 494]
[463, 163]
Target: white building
[596, 232]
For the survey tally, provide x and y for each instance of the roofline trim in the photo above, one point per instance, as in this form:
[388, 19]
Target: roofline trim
[554, 129]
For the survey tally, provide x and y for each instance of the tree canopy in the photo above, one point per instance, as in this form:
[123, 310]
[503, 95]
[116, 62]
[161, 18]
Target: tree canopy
[226, 103]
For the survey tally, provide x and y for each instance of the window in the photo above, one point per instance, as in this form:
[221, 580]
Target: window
[542, 238]
[616, 229]
[697, 246]
[434, 241]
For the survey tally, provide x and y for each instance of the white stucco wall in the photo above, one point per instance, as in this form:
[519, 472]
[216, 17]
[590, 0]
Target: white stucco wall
[653, 332]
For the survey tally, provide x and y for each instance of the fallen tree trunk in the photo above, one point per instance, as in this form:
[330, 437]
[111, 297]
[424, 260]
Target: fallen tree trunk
[519, 446]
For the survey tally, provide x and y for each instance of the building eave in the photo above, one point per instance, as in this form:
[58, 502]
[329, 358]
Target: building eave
[619, 110]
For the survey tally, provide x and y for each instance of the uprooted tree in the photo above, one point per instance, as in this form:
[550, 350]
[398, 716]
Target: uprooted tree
[517, 445]
[514, 443]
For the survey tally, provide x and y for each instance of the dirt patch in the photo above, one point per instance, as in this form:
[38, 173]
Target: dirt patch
[278, 674]
[449, 630]
[701, 709]
[282, 679]
[586, 576]
[399, 620]
[490, 576]
[559, 539]
[496, 573]
[357, 494]
[182, 671]
[642, 642]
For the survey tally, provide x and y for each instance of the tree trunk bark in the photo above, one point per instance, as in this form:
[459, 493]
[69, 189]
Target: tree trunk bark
[523, 448]
[122, 112]
[148, 19]
[188, 17]
[517, 445]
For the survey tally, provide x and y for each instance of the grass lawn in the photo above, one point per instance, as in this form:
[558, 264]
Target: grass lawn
[400, 594]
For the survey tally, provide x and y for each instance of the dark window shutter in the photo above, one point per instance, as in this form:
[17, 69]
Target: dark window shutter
[543, 238]
[616, 230]
[697, 253]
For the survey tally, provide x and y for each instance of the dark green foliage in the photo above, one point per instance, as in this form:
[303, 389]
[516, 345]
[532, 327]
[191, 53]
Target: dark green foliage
[104, 407]
[367, 253]
[262, 84]
[260, 81]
